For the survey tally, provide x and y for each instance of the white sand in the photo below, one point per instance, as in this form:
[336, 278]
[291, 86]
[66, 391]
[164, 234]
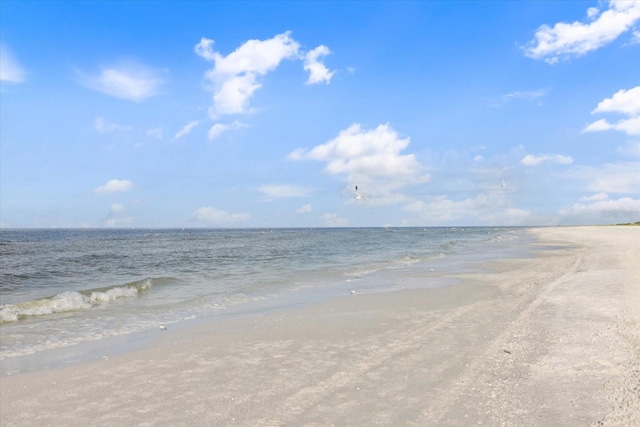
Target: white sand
[548, 341]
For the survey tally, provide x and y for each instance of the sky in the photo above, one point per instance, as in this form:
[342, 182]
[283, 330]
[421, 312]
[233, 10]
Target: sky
[268, 114]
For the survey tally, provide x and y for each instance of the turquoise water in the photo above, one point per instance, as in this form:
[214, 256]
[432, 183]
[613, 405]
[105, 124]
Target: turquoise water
[60, 288]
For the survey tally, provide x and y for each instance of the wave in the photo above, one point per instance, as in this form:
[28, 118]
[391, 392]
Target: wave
[71, 300]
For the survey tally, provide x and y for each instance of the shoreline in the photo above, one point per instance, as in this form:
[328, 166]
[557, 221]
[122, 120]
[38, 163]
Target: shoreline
[548, 340]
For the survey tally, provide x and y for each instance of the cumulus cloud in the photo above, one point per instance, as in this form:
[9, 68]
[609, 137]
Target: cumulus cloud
[304, 209]
[186, 130]
[333, 220]
[219, 128]
[318, 72]
[234, 78]
[131, 82]
[10, 69]
[565, 40]
[114, 186]
[275, 191]
[213, 216]
[370, 158]
[625, 102]
[532, 160]
[104, 126]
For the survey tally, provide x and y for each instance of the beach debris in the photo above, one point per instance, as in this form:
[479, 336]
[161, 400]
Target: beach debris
[506, 351]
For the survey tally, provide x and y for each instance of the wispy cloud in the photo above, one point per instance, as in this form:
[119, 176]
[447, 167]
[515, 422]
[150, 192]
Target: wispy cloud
[524, 95]
[625, 102]
[155, 133]
[489, 208]
[186, 130]
[304, 209]
[565, 40]
[333, 220]
[131, 82]
[533, 160]
[609, 178]
[220, 128]
[114, 186]
[213, 216]
[103, 126]
[10, 69]
[284, 191]
[116, 216]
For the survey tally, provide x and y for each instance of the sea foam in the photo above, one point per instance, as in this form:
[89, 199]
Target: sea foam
[70, 300]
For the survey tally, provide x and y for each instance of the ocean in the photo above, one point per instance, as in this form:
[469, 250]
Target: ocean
[63, 288]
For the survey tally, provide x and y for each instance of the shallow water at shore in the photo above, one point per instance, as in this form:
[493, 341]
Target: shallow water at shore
[61, 288]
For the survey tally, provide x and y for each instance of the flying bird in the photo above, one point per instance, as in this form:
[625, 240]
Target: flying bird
[358, 195]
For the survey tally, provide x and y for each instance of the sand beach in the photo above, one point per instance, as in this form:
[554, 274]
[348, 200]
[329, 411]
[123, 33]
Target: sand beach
[544, 341]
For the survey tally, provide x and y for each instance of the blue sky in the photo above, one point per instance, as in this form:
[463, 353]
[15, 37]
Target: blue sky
[268, 114]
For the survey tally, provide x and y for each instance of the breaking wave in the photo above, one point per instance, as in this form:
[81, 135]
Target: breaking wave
[71, 300]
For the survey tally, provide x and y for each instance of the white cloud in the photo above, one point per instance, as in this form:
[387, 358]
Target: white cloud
[526, 95]
[566, 40]
[114, 186]
[103, 126]
[333, 220]
[186, 129]
[610, 178]
[234, 77]
[636, 37]
[318, 72]
[594, 197]
[275, 191]
[115, 216]
[215, 216]
[626, 102]
[369, 158]
[116, 207]
[628, 126]
[132, 82]
[621, 210]
[616, 178]
[491, 208]
[532, 160]
[304, 209]
[631, 149]
[155, 133]
[10, 69]
[219, 128]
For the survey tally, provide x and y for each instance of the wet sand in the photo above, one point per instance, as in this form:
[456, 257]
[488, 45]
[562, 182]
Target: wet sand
[549, 340]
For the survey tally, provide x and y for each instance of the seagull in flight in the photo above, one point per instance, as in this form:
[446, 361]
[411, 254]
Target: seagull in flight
[358, 195]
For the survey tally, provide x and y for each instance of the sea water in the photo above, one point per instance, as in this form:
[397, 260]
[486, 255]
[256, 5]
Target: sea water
[60, 288]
